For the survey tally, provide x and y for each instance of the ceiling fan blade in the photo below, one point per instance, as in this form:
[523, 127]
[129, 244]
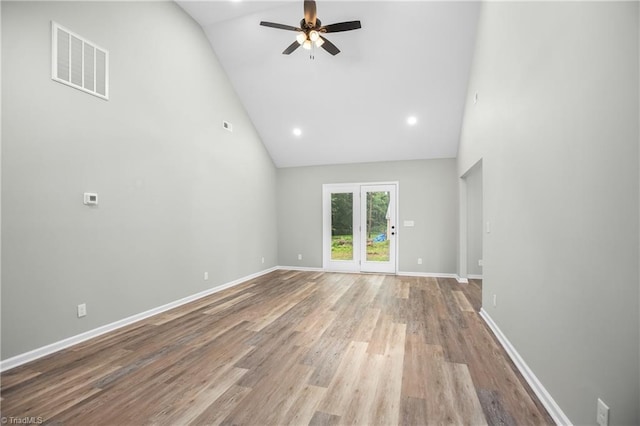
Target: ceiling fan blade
[279, 26]
[329, 47]
[341, 26]
[293, 46]
[310, 13]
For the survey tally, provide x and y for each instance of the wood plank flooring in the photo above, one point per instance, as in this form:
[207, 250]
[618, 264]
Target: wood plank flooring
[289, 347]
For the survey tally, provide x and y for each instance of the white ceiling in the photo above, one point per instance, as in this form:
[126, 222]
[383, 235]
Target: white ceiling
[409, 58]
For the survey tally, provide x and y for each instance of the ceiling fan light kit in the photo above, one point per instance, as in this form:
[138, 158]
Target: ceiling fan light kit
[311, 29]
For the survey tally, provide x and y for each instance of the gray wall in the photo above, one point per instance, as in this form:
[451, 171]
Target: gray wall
[0, 178]
[556, 126]
[474, 219]
[178, 194]
[427, 195]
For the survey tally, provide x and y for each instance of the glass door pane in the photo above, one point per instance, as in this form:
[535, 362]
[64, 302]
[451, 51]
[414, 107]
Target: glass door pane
[379, 231]
[359, 227]
[342, 226]
[378, 217]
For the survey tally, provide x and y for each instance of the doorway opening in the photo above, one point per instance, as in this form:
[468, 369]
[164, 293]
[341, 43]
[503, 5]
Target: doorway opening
[359, 227]
[474, 228]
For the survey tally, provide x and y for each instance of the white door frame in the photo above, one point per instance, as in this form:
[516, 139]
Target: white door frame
[390, 267]
[354, 265]
[340, 265]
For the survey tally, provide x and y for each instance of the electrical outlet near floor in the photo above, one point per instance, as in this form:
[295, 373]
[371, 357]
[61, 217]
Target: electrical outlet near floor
[299, 257]
[82, 310]
[262, 259]
[602, 414]
[206, 276]
[419, 261]
[495, 300]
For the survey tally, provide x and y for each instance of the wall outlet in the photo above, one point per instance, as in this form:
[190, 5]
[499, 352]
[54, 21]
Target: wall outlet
[495, 300]
[299, 257]
[206, 276]
[602, 413]
[480, 262]
[419, 261]
[262, 259]
[82, 310]
[90, 199]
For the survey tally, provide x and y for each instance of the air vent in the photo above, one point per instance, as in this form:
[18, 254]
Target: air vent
[79, 63]
[227, 125]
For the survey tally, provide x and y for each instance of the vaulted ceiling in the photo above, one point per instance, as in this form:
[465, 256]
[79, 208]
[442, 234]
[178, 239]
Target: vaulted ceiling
[411, 58]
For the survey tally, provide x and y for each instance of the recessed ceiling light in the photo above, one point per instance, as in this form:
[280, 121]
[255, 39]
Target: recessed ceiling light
[297, 131]
[412, 120]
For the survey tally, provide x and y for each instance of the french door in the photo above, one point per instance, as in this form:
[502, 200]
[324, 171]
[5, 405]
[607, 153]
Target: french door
[359, 227]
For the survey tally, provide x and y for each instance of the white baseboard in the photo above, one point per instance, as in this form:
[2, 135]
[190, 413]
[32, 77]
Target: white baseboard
[538, 388]
[462, 280]
[35, 354]
[300, 268]
[399, 273]
[426, 274]
[474, 277]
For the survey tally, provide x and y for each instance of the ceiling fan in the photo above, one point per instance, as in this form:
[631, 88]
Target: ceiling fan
[311, 29]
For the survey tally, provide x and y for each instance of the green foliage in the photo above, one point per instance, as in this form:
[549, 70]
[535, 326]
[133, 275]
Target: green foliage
[378, 252]
[342, 249]
[342, 214]
[377, 205]
[342, 226]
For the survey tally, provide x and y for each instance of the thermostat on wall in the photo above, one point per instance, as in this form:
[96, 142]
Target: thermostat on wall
[90, 199]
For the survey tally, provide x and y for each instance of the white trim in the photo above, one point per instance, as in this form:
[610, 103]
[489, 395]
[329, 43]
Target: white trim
[399, 273]
[538, 388]
[390, 266]
[35, 354]
[461, 280]
[474, 277]
[330, 271]
[301, 268]
[352, 265]
[356, 264]
[426, 274]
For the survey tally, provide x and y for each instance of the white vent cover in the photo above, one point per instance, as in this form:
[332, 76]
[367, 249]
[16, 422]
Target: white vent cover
[79, 63]
[227, 125]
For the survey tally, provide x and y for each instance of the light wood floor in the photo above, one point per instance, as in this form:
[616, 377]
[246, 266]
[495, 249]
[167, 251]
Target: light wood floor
[289, 348]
